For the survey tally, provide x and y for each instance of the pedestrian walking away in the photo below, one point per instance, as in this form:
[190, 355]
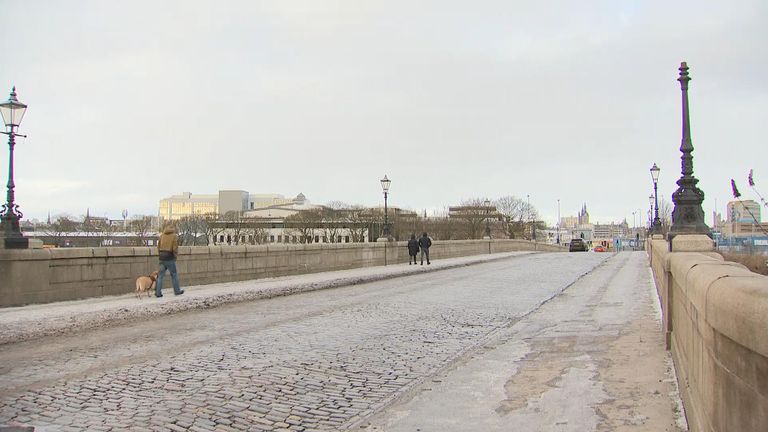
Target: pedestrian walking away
[413, 249]
[424, 243]
[167, 250]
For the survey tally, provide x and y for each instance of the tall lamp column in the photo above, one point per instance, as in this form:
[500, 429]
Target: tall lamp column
[385, 182]
[650, 212]
[12, 112]
[487, 204]
[656, 229]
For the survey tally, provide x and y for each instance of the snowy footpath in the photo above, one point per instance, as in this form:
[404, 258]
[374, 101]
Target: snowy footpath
[28, 322]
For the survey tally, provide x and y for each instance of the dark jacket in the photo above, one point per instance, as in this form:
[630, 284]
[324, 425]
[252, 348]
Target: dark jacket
[425, 242]
[413, 247]
[168, 246]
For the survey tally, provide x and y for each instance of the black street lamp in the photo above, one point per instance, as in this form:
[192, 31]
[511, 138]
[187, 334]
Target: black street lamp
[650, 212]
[385, 182]
[656, 227]
[12, 112]
[487, 204]
[687, 216]
[558, 221]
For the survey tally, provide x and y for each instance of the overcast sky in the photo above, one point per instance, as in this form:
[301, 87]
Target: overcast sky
[133, 101]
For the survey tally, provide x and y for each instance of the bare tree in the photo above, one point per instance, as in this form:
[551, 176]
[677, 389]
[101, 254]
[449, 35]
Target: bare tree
[440, 226]
[516, 215]
[213, 227]
[57, 230]
[141, 226]
[665, 215]
[304, 224]
[234, 223]
[192, 230]
[472, 215]
[359, 223]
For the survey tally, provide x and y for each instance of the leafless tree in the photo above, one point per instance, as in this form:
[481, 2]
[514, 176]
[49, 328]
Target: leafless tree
[359, 223]
[235, 224]
[516, 215]
[213, 226]
[141, 226]
[440, 226]
[57, 230]
[665, 215]
[192, 230]
[472, 215]
[304, 224]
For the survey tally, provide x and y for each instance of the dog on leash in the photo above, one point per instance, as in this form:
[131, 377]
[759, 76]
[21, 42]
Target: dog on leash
[145, 284]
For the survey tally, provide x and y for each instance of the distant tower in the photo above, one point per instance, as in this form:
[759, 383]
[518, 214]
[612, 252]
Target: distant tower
[583, 217]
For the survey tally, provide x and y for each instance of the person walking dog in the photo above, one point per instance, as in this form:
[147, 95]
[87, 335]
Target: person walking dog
[167, 250]
[413, 249]
[424, 243]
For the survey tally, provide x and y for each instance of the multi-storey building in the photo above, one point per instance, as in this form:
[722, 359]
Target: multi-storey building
[743, 212]
[187, 204]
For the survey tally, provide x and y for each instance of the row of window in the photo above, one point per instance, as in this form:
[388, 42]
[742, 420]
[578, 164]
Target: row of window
[229, 239]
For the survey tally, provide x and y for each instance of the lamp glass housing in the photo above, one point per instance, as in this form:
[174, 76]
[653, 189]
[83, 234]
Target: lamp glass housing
[655, 173]
[385, 182]
[12, 110]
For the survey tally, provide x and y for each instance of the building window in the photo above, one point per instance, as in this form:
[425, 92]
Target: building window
[221, 238]
[346, 239]
[317, 239]
[271, 239]
[279, 239]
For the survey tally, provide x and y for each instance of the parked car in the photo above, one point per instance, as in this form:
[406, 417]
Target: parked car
[599, 248]
[578, 245]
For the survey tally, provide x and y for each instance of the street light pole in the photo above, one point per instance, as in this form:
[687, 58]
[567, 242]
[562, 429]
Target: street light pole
[687, 216]
[558, 221]
[656, 221]
[528, 209]
[385, 182]
[487, 205]
[12, 112]
[650, 212]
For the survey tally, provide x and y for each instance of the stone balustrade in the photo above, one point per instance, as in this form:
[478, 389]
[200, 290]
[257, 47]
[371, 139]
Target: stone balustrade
[715, 316]
[48, 275]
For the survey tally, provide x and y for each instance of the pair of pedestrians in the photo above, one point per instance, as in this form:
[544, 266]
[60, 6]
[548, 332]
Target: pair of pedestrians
[414, 246]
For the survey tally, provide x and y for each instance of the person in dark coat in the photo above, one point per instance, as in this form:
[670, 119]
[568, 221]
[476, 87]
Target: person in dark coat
[424, 243]
[413, 249]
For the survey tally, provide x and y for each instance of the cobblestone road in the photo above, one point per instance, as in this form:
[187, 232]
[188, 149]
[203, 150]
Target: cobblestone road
[316, 361]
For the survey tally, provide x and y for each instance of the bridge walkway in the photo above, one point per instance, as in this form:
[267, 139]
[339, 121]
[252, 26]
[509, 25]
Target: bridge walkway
[555, 342]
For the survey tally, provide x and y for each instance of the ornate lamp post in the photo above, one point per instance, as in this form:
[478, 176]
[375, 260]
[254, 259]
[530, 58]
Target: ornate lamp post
[487, 204]
[12, 112]
[385, 182]
[650, 212]
[558, 221]
[656, 227]
[687, 216]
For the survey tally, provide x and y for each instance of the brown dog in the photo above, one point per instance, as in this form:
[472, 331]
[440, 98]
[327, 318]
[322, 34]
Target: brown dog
[146, 283]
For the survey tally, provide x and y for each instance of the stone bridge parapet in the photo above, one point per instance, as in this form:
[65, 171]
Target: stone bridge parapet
[715, 316]
[48, 275]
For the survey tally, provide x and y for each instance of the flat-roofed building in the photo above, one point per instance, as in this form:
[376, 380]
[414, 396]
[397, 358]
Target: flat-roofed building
[186, 204]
